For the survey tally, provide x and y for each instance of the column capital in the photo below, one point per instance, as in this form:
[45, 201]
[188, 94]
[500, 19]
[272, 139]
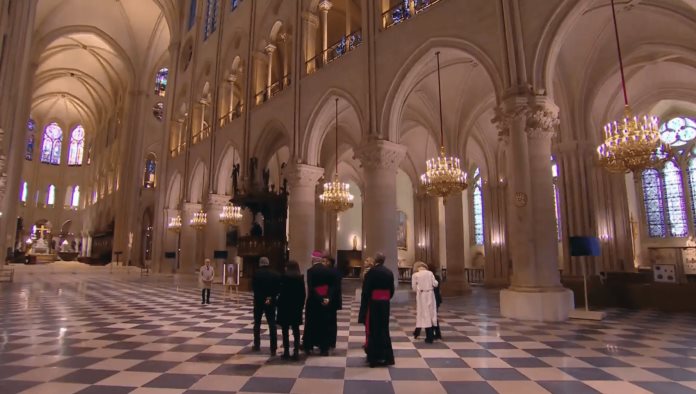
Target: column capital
[325, 5]
[269, 49]
[380, 154]
[540, 115]
[190, 207]
[232, 78]
[218, 200]
[299, 175]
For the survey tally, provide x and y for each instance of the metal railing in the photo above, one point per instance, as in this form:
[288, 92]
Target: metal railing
[335, 51]
[405, 10]
[269, 91]
[227, 118]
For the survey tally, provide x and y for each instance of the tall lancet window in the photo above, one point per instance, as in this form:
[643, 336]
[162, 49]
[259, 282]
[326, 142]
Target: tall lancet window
[150, 170]
[477, 205]
[51, 196]
[556, 197]
[51, 147]
[75, 197]
[674, 193]
[77, 146]
[654, 208]
[24, 193]
[210, 18]
[161, 82]
[31, 127]
[192, 13]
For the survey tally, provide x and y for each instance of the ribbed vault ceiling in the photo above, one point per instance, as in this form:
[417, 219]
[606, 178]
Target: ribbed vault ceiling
[90, 53]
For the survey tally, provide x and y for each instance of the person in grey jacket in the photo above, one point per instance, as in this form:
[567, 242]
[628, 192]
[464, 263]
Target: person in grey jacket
[207, 273]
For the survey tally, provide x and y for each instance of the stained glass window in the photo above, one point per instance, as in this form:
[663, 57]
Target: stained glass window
[77, 146]
[25, 192]
[674, 193]
[653, 201]
[210, 18]
[556, 198]
[31, 127]
[192, 14]
[150, 169]
[51, 147]
[678, 131]
[158, 111]
[478, 210]
[51, 196]
[75, 197]
[692, 186]
[161, 82]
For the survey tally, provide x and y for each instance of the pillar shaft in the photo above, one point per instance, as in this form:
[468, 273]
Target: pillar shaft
[454, 237]
[380, 161]
[269, 81]
[302, 180]
[324, 7]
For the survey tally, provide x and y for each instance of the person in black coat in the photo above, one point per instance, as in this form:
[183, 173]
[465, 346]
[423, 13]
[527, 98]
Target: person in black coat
[378, 289]
[337, 299]
[266, 286]
[321, 288]
[290, 304]
[438, 302]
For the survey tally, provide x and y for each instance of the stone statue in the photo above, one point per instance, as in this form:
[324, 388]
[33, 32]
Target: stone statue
[266, 178]
[235, 178]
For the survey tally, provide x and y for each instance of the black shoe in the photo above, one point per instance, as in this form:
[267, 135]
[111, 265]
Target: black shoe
[203, 303]
[273, 353]
[416, 333]
[296, 355]
[324, 353]
[256, 348]
[286, 355]
[428, 340]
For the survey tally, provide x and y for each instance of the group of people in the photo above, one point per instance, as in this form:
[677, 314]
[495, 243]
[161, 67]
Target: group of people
[282, 298]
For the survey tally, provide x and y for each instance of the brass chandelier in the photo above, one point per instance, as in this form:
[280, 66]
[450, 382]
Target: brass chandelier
[632, 143]
[199, 220]
[174, 224]
[336, 196]
[443, 175]
[231, 214]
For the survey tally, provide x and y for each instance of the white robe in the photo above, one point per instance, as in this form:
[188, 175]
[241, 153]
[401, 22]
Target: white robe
[423, 283]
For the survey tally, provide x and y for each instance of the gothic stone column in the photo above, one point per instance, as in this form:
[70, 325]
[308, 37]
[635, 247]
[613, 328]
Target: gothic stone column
[380, 161]
[455, 244]
[189, 240]
[215, 231]
[527, 125]
[302, 180]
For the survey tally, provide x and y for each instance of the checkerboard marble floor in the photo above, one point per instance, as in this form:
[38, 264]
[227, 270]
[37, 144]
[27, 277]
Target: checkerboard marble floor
[112, 334]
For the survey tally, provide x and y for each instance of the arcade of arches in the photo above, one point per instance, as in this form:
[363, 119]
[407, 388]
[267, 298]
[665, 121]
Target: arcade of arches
[118, 117]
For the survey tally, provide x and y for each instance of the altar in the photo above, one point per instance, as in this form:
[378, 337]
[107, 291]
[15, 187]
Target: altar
[39, 251]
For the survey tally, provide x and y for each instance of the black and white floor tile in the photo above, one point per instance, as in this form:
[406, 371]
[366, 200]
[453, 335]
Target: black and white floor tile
[112, 334]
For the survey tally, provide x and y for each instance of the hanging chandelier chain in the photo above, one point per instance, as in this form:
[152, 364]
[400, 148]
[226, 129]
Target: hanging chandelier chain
[618, 49]
[336, 136]
[439, 95]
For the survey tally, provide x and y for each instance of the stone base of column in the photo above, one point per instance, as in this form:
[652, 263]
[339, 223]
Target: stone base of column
[547, 306]
[455, 288]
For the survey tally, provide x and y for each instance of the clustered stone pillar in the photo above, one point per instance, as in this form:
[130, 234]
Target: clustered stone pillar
[215, 231]
[171, 242]
[302, 180]
[380, 161]
[527, 126]
[455, 241]
[324, 7]
[189, 240]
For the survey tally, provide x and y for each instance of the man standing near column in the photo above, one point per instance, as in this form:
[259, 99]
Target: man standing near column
[321, 286]
[375, 307]
[266, 287]
[207, 274]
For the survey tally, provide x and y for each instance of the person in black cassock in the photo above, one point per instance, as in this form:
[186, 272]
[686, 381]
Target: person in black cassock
[378, 289]
[290, 304]
[438, 301]
[337, 299]
[321, 283]
[266, 286]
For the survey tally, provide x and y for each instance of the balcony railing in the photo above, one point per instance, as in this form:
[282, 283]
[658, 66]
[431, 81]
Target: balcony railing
[475, 275]
[269, 91]
[335, 51]
[405, 10]
[236, 113]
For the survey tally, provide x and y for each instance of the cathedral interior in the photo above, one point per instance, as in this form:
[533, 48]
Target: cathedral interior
[538, 155]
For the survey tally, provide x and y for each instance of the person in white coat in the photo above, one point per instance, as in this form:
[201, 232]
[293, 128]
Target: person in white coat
[424, 283]
[207, 273]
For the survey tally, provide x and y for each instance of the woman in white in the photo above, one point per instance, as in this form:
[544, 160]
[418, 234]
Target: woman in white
[423, 283]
